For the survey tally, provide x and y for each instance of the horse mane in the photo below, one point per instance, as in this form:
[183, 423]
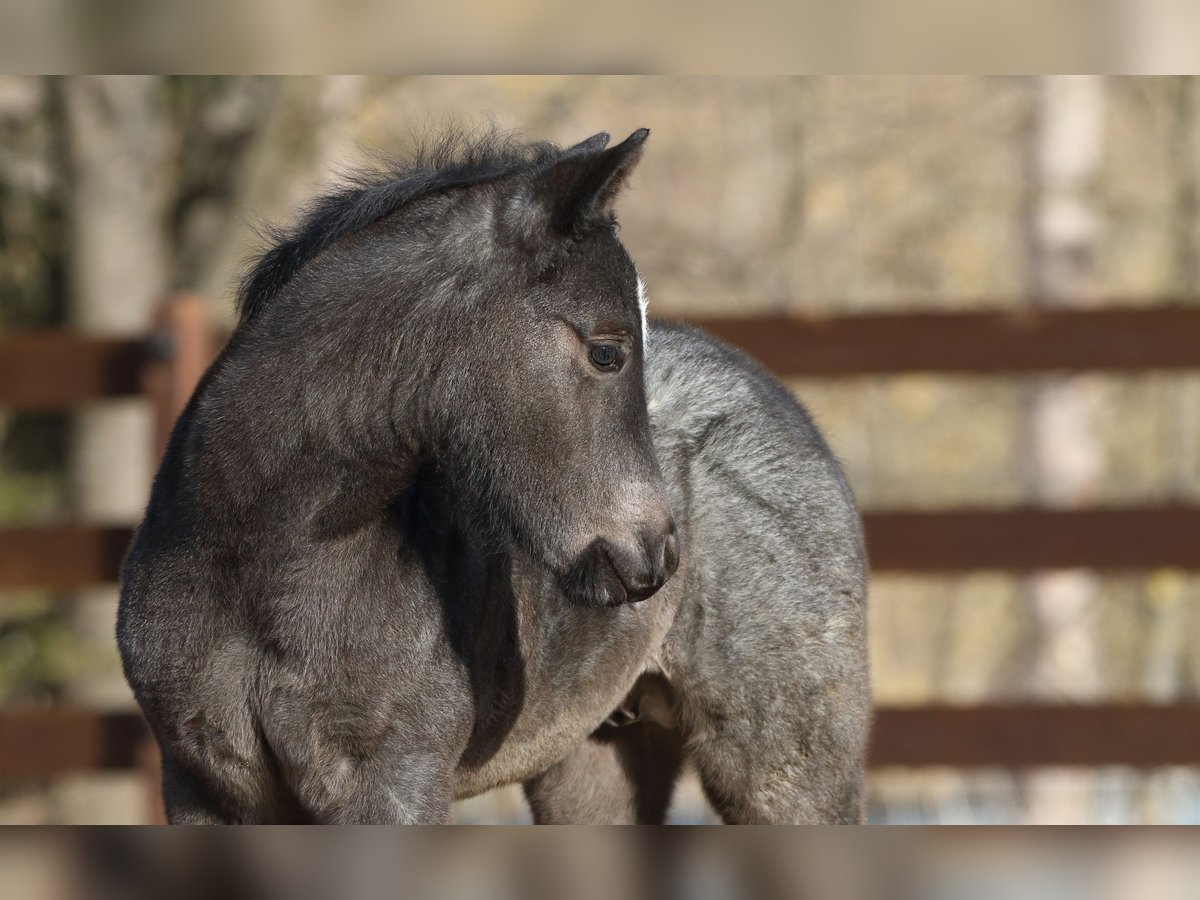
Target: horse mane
[456, 159]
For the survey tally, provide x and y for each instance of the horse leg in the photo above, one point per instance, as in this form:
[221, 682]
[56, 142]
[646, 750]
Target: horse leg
[400, 788]
[187, 800]
[793, 762]
[620, 775]
[783, 791]
[403, 789]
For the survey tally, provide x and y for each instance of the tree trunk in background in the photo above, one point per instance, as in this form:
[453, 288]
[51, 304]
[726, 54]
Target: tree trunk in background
[118, 154]
[1169, 595]
[1185, 165]
[1065, 457]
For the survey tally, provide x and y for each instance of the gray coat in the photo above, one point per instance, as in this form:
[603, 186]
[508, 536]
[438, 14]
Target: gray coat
[445, 516]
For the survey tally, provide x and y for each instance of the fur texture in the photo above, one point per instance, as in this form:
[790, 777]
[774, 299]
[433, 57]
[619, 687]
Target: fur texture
[414, 535]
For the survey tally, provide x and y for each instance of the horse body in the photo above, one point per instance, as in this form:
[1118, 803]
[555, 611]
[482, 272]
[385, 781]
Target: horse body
[414, 536]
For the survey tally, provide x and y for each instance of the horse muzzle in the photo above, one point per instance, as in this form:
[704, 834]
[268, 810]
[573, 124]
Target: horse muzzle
[610, 573]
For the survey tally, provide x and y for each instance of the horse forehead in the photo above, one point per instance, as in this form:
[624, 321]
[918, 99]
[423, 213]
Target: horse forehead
[607, 272]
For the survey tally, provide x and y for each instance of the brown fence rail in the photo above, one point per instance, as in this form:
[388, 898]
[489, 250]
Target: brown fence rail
[70, 556]
[61, 557]
[60, 370]
[1026, 736]
[44, 743]
[1025, 539]
[39, 744]
[971, 343]
[71, 369]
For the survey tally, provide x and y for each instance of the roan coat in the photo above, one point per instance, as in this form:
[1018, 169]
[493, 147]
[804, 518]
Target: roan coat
[447, 515]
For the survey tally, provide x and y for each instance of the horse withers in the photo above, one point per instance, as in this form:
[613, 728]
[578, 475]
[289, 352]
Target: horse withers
[446, 514]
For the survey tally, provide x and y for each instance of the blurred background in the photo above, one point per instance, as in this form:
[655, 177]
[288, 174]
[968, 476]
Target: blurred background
[986, 289]
[593, 863]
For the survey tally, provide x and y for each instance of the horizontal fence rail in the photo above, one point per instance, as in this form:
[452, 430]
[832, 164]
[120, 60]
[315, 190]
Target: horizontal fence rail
[45, 743]
[60, 369]
[1026, 539]
[970, 342]
[62, 557]
[1017, 737]
[71, 556]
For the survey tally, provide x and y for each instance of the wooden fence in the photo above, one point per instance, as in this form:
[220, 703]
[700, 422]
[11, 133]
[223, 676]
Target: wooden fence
[60, 370]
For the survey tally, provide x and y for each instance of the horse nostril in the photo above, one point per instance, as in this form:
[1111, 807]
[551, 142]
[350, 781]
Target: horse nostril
[594, 580]
[662, 553]
[611, 573]
[670, 552]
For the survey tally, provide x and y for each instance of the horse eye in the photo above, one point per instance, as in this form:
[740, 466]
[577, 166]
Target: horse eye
[607, 357]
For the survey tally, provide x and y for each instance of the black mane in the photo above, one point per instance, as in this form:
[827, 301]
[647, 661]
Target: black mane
[455, 160]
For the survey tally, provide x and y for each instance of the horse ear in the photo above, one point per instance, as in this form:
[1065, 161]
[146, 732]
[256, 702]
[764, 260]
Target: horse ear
[579, 189]
[594, 144]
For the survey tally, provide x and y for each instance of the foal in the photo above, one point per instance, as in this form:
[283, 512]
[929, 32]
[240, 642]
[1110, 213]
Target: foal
[445, 516]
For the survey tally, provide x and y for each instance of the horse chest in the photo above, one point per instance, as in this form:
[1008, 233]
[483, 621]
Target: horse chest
[568, 670]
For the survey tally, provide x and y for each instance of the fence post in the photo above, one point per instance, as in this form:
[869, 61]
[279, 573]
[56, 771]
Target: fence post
[181, 347]
[179, 351]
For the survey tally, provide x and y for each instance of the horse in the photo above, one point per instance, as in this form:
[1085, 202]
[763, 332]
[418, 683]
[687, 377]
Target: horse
[446, 514]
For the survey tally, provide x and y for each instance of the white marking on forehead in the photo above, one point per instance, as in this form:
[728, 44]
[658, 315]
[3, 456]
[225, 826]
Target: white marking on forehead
[643, 305]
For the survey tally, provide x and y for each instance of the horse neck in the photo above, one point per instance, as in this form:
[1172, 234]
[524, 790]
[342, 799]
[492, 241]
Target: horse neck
[285, 440]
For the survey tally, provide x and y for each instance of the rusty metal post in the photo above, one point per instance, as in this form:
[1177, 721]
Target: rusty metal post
[179, 351]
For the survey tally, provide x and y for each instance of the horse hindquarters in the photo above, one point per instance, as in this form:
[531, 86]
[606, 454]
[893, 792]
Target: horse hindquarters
[768, 660]
[783, 757]
[767, 656]
[774, 700]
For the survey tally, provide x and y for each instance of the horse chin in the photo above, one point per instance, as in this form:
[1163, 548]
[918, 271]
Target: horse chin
[605, 599]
